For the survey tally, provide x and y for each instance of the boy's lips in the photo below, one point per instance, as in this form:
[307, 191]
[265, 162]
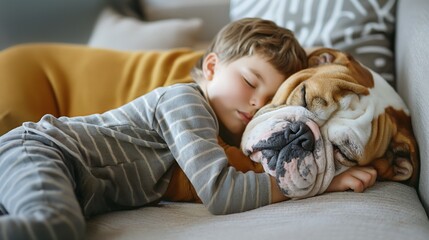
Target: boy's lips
[246, 117]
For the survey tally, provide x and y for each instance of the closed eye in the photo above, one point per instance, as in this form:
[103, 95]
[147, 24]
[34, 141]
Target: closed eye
[249, 83]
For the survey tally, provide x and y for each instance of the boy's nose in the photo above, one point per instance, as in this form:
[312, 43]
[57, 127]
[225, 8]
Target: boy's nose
[256, 104]
[259, 102]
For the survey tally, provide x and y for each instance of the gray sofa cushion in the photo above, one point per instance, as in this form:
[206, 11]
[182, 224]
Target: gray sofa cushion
[386, 211]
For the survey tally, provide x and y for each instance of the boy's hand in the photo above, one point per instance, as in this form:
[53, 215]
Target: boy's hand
[355, 178]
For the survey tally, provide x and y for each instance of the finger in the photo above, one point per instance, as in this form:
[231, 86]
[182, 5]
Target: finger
[354, 184]
[348, 181]
[366, 175]
[372, 175]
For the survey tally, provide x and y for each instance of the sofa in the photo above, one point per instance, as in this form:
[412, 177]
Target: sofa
[388, 210]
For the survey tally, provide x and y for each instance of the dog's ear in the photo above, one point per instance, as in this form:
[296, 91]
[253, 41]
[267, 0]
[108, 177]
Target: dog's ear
[324, 56]
[321, 56]
[401, 160]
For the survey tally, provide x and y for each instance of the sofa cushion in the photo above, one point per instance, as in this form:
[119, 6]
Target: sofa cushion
[388, 210]
[363, 28]
[117, 31]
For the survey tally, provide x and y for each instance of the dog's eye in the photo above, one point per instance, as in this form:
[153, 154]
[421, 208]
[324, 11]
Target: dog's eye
[318, 101]
[402, 150]
[303, 96]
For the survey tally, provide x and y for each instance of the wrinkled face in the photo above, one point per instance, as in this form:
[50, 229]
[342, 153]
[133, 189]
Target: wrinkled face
[236, 90]
[357, 111]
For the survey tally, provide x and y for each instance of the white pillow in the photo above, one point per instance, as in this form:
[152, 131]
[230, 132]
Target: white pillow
[115, 31]
[214, 13]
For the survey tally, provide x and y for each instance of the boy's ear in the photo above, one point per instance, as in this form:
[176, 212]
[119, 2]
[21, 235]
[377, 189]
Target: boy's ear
[209, 65]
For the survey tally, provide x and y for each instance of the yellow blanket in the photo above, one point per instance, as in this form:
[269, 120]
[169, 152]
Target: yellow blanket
[74, 80]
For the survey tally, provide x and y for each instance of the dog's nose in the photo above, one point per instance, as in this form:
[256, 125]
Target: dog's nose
[295, 141]
[298, 133]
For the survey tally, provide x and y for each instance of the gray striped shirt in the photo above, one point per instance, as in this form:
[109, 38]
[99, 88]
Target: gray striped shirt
[123, 157]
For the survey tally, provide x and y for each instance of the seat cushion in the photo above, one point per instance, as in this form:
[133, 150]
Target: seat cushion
[388, 210]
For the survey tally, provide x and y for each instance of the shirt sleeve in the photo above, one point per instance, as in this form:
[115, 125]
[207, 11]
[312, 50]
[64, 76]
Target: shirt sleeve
[189, 127]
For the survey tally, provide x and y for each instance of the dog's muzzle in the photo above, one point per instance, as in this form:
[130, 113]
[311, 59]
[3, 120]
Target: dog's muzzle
[296, 141]
[288, 143]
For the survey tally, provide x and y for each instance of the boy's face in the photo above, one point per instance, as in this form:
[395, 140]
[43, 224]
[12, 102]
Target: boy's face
[236, 90]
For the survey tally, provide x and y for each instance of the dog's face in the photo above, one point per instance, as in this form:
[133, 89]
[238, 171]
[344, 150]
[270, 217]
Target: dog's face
[357, 111]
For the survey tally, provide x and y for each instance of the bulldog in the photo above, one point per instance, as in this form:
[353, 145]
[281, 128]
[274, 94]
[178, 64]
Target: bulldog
[332, 115]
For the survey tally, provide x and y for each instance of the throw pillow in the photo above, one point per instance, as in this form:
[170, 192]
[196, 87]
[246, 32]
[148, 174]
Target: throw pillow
[116, 31]
[364, 28]
[214, 13]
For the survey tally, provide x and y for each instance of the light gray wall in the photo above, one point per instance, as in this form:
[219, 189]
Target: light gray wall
[69, 21]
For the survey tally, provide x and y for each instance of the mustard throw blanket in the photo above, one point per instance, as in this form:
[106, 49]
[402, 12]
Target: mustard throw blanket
[72, 80]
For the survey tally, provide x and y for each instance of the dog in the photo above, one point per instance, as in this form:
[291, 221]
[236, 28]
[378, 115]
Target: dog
[332, 115]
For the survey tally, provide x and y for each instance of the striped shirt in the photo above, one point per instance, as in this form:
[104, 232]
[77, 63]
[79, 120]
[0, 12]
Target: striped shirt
[123, 157]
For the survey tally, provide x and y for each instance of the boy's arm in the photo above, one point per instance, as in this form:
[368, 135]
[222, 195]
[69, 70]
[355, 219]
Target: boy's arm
[180, 188]
[355, 178]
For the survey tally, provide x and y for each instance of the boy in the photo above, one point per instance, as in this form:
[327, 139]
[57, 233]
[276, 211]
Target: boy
[56, 171]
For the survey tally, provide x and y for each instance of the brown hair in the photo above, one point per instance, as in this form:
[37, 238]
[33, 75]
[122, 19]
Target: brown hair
[249, 36]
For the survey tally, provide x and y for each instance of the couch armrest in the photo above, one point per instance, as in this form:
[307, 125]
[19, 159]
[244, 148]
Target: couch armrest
[412, 71]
